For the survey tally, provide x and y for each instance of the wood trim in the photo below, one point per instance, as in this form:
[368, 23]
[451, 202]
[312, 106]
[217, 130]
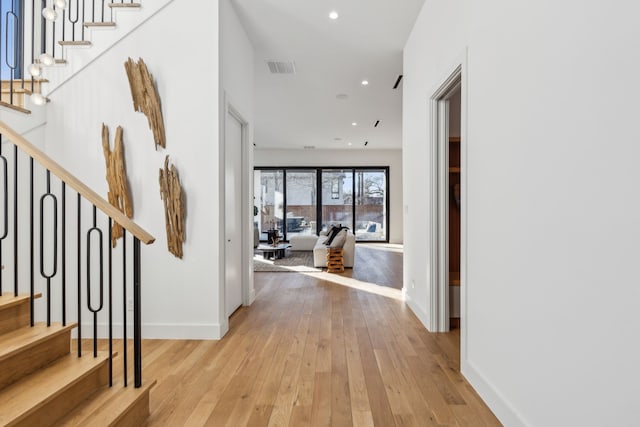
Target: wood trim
[124, 5]
[15, 107]
[74, 43]
[76, 184]
[99, 24]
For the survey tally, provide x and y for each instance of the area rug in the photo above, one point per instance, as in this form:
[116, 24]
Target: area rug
[294, 262]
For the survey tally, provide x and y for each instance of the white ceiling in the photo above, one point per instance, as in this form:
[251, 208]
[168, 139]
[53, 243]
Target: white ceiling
[331, 58]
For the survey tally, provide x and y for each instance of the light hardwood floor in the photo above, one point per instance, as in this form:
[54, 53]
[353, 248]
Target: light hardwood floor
[311, 351]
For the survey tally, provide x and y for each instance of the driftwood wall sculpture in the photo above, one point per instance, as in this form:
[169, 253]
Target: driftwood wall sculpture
[118, 194]
[145, 98]
[171, 194]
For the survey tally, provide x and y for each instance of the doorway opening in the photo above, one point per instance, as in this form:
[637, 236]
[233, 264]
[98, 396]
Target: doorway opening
[447, 266]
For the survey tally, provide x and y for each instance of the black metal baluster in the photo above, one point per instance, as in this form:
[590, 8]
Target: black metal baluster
[15, 220]
[79, 267]
[110, 270]
[53, 39]
[93, 10]
[49, 276]
[20, 31]
[137, 316]
[32, 285]
[102, 10]
[43, 29]
[124, 303]
[74, 21]
[5, 205]
[14, 60]
[82, 23]
[64, 254]
[101, 280]
[33, 38]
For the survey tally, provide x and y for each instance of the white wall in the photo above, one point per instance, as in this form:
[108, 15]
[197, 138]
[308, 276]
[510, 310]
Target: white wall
[180, 297]
[391, 158]
[551, 293]
[237, 81]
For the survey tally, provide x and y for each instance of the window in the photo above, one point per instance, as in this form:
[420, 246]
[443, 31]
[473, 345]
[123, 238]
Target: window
[371, 194]
[10, 39]
[269, 199]
[301, 202]
[308, 200]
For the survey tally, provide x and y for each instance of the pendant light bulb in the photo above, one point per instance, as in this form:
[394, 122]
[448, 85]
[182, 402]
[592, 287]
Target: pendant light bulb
[46, 59]
[49, 14]
[38, 99]
[60, 4]
[35, 70]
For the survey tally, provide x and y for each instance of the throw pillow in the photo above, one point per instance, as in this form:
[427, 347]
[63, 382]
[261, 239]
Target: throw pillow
[339, 240]
[333, 236]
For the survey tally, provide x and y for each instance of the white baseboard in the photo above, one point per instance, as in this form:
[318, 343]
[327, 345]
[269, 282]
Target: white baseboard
[420, 314]
[167, 331]
[500, 406]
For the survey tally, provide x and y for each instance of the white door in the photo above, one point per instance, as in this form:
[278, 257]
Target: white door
[233, 213]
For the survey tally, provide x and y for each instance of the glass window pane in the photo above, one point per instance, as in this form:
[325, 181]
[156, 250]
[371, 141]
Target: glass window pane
[337, 197]
[371, 215]
[269, 199]
[301, 202]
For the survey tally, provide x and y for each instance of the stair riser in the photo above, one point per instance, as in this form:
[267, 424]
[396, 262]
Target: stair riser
[50, 412]
[14, 317]
[31, 359]
[136, 415]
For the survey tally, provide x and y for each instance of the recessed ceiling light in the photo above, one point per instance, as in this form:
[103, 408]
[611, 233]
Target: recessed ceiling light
[333, 15]
[354, 124]
[365, 82]
[349, 144]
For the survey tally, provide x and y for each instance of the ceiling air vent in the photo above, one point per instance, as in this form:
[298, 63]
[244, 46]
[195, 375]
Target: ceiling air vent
[282, 67]
[309, 147]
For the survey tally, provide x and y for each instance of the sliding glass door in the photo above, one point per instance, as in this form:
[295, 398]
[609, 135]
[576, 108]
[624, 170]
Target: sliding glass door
[337, 198]
[308, 200]
[371, 205]
[269, 199]
[301, 202]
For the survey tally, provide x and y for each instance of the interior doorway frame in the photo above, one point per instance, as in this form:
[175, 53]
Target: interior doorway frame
[246, 223]
[439, 200]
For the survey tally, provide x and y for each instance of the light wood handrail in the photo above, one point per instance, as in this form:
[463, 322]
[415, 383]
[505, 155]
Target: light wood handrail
[73, 182]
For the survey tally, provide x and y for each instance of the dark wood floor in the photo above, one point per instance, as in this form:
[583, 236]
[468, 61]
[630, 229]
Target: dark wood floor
[317, 350]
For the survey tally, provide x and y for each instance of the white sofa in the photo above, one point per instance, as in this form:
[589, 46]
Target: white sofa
[320, 251]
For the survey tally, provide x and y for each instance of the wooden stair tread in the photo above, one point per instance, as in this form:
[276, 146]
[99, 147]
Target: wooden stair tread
[9, 300]
[15, 107]
[32, 392]
[24, 338]
[74, 43]
[124, 5]
[17, 90]
[107, 406]
[99, 24]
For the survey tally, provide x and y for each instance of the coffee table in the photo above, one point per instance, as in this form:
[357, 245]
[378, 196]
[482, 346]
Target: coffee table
[273, 252]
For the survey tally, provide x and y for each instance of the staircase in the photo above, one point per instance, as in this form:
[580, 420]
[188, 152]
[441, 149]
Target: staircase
[70, 302]
[64, 359]
[35, 38]
[42, 383]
